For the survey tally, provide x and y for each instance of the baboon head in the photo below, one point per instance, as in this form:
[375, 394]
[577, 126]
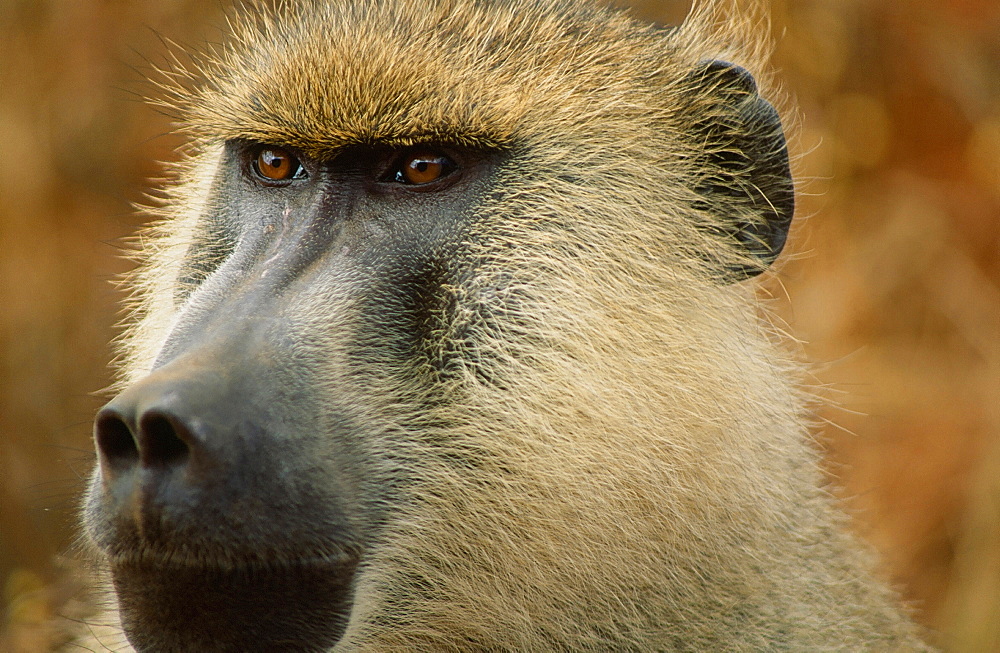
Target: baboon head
[441, 342]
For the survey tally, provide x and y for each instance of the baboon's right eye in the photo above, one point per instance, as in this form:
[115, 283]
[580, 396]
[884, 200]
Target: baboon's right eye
[276, 164]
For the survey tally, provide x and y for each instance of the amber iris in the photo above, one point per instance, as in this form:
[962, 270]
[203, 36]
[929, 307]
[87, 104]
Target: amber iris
[424, 167]
[276, 164]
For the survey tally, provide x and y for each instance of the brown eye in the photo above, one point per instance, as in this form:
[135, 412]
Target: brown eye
[423, 167]
[276, 164]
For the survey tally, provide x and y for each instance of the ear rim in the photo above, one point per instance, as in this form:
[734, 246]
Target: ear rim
[747, 186]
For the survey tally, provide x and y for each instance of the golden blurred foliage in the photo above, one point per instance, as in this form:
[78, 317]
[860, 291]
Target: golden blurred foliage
[892, 280]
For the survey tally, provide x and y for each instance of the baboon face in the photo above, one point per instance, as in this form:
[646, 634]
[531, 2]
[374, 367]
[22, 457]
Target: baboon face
[366, 262]
[256, 459]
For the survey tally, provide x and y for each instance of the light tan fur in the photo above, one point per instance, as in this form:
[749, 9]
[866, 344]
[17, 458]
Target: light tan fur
[647, 481]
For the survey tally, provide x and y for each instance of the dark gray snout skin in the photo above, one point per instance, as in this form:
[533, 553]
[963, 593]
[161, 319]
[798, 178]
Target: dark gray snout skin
[226, 496]
[241, 482]
[218, 502]
[216, 508]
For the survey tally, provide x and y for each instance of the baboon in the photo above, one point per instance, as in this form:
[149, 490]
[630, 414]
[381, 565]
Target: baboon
[444, 342]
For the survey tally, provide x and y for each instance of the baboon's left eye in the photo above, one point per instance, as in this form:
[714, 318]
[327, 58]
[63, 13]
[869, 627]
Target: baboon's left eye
[277, 164]
[419, 167]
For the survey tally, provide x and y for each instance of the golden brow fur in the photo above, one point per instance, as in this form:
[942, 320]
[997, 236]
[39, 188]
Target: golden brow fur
[647, 482]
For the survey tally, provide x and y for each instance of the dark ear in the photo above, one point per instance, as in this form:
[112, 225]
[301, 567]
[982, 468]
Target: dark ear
[746, 187]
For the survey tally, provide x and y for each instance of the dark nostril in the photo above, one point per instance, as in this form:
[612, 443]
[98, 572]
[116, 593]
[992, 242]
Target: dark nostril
[159, 440]
[163, 441]
[115, 441]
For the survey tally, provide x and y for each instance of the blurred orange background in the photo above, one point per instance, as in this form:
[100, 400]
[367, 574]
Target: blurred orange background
[892, 282]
